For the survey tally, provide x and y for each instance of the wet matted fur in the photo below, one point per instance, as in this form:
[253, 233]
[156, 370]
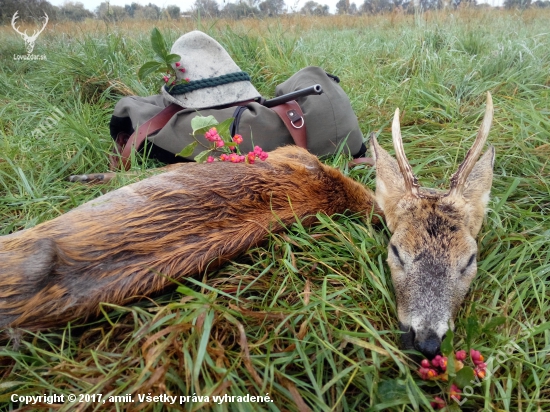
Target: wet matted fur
[131, 241]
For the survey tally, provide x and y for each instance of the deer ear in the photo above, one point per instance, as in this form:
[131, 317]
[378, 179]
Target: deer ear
[477, 189]
[390, 185]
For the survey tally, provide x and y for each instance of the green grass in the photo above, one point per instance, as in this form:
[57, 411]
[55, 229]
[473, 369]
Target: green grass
[310, 317]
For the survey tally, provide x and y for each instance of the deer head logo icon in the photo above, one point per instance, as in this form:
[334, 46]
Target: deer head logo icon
[29, 40]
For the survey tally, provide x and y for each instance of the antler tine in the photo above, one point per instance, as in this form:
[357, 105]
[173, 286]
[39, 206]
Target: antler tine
[36, 33]
[46, 20]
[411, 183]
[459, 178]
[13, 19]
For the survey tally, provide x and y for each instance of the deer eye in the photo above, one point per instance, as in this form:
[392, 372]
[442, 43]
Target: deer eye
[396, 254]
[470, 261]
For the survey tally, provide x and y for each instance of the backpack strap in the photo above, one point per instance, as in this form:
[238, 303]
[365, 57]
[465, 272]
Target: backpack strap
[292, 116]
[120, 158]
[290, 113]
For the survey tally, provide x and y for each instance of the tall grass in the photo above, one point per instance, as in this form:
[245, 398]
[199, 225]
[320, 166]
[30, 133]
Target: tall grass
[309, 317]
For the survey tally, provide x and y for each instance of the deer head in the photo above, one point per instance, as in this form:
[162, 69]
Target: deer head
[432, 251]
[29, 40]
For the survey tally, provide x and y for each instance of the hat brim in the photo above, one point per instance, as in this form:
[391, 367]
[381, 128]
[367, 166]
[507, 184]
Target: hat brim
[214, 96]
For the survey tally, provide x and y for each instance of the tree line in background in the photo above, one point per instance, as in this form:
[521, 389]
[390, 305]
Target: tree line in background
[75, 11]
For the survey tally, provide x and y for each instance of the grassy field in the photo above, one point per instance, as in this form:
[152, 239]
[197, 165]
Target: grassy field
[310, 317]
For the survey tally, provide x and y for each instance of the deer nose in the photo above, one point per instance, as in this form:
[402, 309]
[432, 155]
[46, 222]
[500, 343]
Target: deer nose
[429, 346]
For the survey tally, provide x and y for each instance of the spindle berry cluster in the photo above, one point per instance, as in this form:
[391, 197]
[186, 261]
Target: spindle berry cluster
[166, 63]
[233, 155]
[220, 146]
[171, 78]
[436, 369]
[481, 367]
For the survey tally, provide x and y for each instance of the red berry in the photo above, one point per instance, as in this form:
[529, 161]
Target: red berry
[480, 373]
[238, 139]
[476, 356]
[425, 363]
[438, 403]
[423, 373]
[460, 355]
[478, 361]
[443, 363]
[251, 156]
[427, 373]
[432, 373]
[455, 392]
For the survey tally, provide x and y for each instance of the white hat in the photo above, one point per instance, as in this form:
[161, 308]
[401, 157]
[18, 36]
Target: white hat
[214, 78]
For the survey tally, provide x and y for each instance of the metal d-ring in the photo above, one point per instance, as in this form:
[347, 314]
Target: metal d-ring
[298, 127]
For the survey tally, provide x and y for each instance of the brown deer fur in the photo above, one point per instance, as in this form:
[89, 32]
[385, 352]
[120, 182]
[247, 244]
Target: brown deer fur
[195, 217]
[129, 242]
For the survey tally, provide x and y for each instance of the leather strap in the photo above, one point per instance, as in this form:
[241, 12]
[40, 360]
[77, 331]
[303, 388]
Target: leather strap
[293, 117]
[290, 113]
[123, 150]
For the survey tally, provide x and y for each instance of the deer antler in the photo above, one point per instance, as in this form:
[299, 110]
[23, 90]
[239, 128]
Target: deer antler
[411, 183]
[46, 19]
[24, 34]
[15, 17]
[459, 178]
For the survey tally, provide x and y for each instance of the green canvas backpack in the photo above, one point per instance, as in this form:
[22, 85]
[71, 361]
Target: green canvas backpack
[327, 119]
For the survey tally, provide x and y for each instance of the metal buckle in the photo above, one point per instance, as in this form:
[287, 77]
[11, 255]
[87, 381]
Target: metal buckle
[294, 117]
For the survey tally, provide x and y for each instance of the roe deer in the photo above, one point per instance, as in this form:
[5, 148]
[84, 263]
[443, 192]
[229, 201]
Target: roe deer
[129, 242]
[432, 251]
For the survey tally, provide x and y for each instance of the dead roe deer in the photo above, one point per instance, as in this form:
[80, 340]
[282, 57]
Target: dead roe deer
[193, 218]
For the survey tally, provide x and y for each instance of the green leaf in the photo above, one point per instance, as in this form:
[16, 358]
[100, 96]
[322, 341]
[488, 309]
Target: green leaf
[493, 323]
[202, 349]
[464, 377]
[201, 124]
[188, 150]
[447, 344]
[148, 68]
[223, 129]
[172, 58]
[391, 390]
[158, 44]
[451, 365]
[472, 329]
[202, 156]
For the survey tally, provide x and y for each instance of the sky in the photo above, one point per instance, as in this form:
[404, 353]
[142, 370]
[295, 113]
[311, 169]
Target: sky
[185, 5]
